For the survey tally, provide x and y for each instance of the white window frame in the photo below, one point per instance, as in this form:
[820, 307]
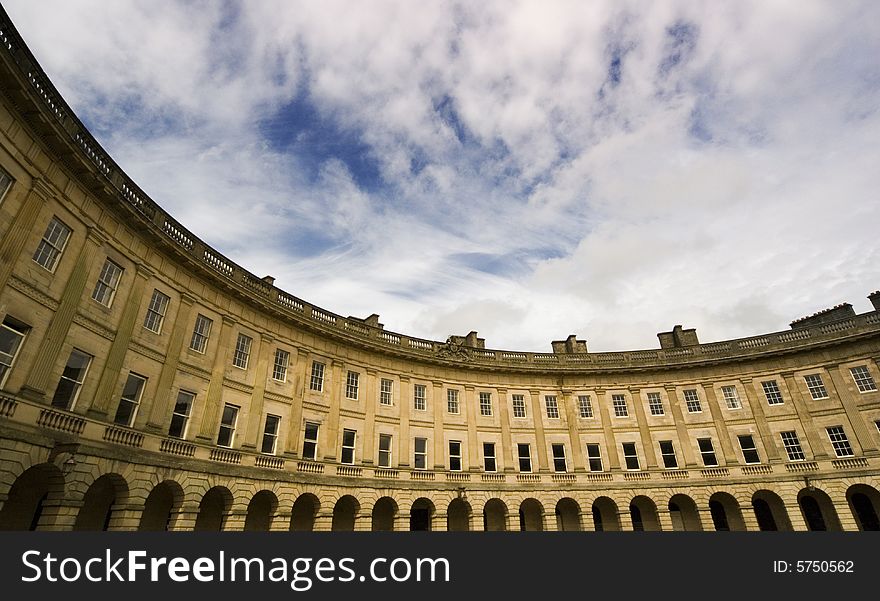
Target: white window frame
[557, 458]
[310, 443]
[201, 334]
[230, 427]
[527, 457]
[420, 397]
[452, 404]
[731, 397]
[279, 367]
[839, 441]
[486, 404]
[745, 450]
[620, 406]
[666, 455]
[182, 417]
[316, 379]
[75, 384]
[107, 284]
[242, 355]
[351, 448]
[631, 456]
[816, 386]
[272, 436]
[417, 454]
[352, 383]
[52, 245]
[585, 406]
[5, 183]
[386, 453]
[386, 391]
[552, 405]
[487, 457]
[519, 406]
[156, 310]
[863, 379]
[20, 332]
[655, 403]
[597, 457]
[455, 457]
[692, 400]
[792, 445]
[135, 400]
[705, 453]
[772, 392]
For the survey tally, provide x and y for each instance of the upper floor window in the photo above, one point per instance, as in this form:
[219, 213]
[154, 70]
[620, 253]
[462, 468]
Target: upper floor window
[351, 385]
[228, 421]
[594, 457]
[310, 441]
[348, 438]
[559, 458]
[52, 245]
[792, 446]
[692, 401]
[525, 457]
[630, 456]
[816, 386]
[181, 413]
[71, 380]
[749, 450]
[486, 403]
[618, 401]
[420, 453]
[12, 334]
[5, 183]
[242, 353]
[863, 378]
[489, 463]
[420, 402]
[279, 369]
[316, 382]
[552, 406]
[772, 392]
[130, 401]
[585, 406]
[667, 451]
[384, 450]
[108, 282]
[839, 441]
[201, 332]
[270, 434]
[386, 388]
[707, 451]
[454, 455]
[156, 312]
[452, 400]
[655, 403]
[519, 405]
[731, 397]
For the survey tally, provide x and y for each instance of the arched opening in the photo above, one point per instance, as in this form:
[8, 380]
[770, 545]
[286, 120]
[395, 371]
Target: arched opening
[818, 510]
[770, 512]
[30, 491]
[643, 512]
[261, 511]
[161, 506]
[725, 512]
[302, 515]
[420, 515]
[605, 518]
[495, 516]
[384, 512]
[458, 516]
[344, 514]
[568, 515]
[213, 510]
[683, 514]
[531, 516]
[98, 503]
[864, 501]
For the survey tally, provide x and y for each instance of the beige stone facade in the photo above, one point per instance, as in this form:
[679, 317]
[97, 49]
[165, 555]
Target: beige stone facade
[148, 382]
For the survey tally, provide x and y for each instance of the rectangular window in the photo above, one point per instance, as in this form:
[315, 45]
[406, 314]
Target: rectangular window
[384, 450]
[181, 413]
[486, 403]
[519, 405]
[792, 446]
[489, 463]
[585, 406]
[630, 456]
[559, 458]
[226, 436]
[71, 380]
[419, 397]
[816, 386]
[131, 398]
[351, 385]
[552, 406]
[772, 392]
[201, 332]
[525, 457]
[108, 282]
[454, 455]
[749, 450]
[52, 245]
[655, 403]
[316, 382]
[707, 451]
[5, 184]
[863, 379]
[242, 353]
[618, 401]
[452, 401]
[270, 434]
[386, 388]
[692, 401]
[420, 460]
[731, 397]
[594, 456]
[348, 437]
[310, 441]
[839, 441]
[667, 451]
[12, 335]
[156, 312]
[279, 369]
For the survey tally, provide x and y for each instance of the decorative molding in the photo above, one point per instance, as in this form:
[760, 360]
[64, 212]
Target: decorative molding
[453, 350]
[93, 326]
[32, 293]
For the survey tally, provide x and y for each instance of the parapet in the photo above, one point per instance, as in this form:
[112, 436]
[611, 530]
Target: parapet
[874, 297]
[678, 338]
[470, 340]
[569, 346]
[836, 313]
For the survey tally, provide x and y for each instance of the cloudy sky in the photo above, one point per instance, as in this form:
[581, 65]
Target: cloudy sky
[524, 169]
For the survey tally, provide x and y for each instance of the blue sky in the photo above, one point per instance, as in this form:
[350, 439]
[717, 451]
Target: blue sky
[524, 169]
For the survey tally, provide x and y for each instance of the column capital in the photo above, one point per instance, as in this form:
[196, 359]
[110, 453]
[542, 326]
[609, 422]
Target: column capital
[96, 236]
[403, 379]
[437, 383]
[501, 391]
[187, 299]
[228, 320]
[143, 271]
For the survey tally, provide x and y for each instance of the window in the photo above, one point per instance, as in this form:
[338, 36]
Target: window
[201, 332]
[420, 461]
[279, 370]
[419, 397]
[559, 457]
[71, 380]
[386, 386]
[454, 455]
[816, 386]
[667, 451]
[227, 425]
[310, 441]
[594, 456]
[839, 441]
[384, 450]
[707, 451]
[630, 456]
[525, 457]
[452, 401]
[772, 392]
[618, 401]
[242, 353]
[156, 312]
[585, 407]
[5, 184]
[655, 403]
[351, 385]
[12, 334]
[348, 437]
[877, 423]
[52, 245]
[270, 434]
[552, 406]
[519, 405]
[692, 401]
[749, 450]
[316, 382]
[180, 416]
[131, 398]
[108, 281]
[486, 403]
[731, 397]
[863, 379]
[489, 463]
[792, 446]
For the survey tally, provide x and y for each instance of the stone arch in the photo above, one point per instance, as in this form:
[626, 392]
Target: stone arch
[23, 508]
[421, 515]
[261, 511]
[384, 513]
[818, 510]
[643, 512]
[161, 506]
[683, 513]
[345, 513]
[214, 509]
[864, 502]
[770, 511]
[458, 516]
[568, 515]
[725, 512]
[303, 512]
[495, 515]
[531, 515]
[605, 517]
[101, 501]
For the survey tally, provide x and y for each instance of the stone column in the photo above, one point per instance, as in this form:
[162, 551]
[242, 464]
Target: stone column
[805, 417]
[23, 223]
[665, 520]
[610, 442]
[681, 428]
[625, 519]
[644, 432]
[371, 399]
[795, 516]
[213, 398]
[59, 515]
[235, 520]
[720, 427]
[438, 521]
[571, 417]
[757, 408]
[401, 521]
[749, 518]
[706, 519]
[126, 517]
[296, 409]
[844, 514]
[331, 432]
[438, 409]
[538, 420]
[850, 405]
[476, 520]
[405, 405]
[160, 411]
[186, 518]
[506, 443]
[255, 414]
[323, 521]
[473, 454]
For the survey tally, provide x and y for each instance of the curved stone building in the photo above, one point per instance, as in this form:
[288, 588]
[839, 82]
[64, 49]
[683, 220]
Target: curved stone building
[148, 382]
